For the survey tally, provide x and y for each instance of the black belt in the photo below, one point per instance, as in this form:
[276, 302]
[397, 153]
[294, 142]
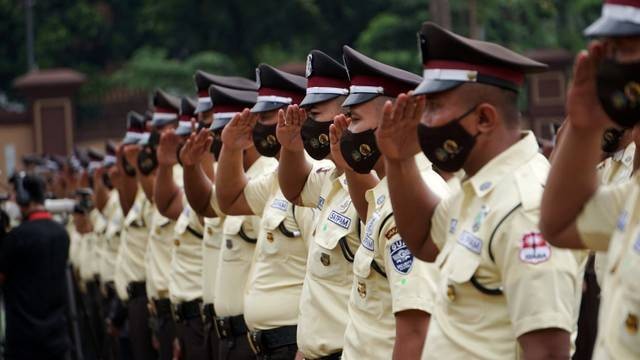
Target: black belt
[136, 289]
[194, 232]
[265, 341]
[209, 312]
[188, 310]
[230, 326]
[110, 289]
[334, 356]
[163, 308]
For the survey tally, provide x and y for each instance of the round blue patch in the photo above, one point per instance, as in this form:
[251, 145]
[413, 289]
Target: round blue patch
[401, 257]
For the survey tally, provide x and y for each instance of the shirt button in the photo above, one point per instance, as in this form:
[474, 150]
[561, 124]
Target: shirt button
[269, 237]
[451, 293]
[210, 231]
[176, 242]
[362, 289]
[632, 324]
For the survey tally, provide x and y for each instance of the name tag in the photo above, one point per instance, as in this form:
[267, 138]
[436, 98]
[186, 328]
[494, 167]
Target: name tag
[280, 204]
[340, 220]
[471, 242]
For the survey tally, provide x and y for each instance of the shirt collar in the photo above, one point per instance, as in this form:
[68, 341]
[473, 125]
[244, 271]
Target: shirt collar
[505, 163]
[625, 155]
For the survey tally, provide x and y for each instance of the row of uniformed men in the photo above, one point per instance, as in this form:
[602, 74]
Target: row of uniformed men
[316, 257]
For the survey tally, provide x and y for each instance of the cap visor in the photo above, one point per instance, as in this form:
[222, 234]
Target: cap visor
[131, 139]
[219, 123]
[607, 27]
[432, 86]
[359, 98]
[183, 130]
[203, 106]
[312, 99]
[264, 106]
[160, 123]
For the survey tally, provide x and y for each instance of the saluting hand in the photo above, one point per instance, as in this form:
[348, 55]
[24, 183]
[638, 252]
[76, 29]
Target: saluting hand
[397, 134]
[237, 135]
[168, 148]
[131, 154]
[340, 124]
[583, 107]
[196, 147]
[288, 130]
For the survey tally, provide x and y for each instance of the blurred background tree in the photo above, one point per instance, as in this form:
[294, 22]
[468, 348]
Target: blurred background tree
[142, 44]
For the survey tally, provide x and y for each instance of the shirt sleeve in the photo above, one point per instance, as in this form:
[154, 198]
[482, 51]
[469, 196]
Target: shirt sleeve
[258, 190]
[320, 173]
[412, 282]
[540, 282]
[601, 214]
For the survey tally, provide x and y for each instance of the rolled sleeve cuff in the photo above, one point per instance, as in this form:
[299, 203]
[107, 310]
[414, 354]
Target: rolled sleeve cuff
[555, 320]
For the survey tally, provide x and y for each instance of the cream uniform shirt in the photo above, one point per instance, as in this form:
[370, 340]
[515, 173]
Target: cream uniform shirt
[499, 278]
[327, 285]
[130, 263]
[239, 236]
[387, 278]
[610, 222]
[185, 277]
[614, 170]
[113, 212]
[275, 283]
[211, 255]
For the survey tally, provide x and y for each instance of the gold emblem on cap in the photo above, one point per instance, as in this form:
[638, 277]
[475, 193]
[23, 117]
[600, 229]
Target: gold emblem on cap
[365, 149]
[325, 259]
[472, 75]
[362, 289]
[324, 139]
[631, 323]
[269, 237]
[451, 146]
[451, 293]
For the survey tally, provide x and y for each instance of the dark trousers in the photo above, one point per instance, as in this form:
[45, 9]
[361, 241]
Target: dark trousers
[164, 329]
[139, 331]
[211, 341]
[235, 348]
[190, 334]
[282, 353]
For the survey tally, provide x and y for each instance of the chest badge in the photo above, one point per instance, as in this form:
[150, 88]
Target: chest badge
[631, 324]
[480, 217]
[229, 244]
[270, 237]
[362, 289]
[325, 259]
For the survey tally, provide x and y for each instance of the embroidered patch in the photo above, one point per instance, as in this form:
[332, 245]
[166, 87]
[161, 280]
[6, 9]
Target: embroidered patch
[401, 257]
[380, 200]
[480, 217]
[623, 219]
[367, 241]
[453, 224]
[339, 219]
[391, 232]
[534, 249]
[280, 204]
[320, 202]
[323, 170]
[470, 241]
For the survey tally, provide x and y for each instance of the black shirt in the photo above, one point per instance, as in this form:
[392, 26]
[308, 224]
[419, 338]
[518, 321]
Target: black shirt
[33, 259]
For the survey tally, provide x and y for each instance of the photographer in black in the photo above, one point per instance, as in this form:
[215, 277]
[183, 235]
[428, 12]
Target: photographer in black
[33, 258]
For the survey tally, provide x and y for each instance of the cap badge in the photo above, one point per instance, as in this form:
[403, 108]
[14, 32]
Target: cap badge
[325, 259]
[309, 68]
[258, 77]
[472, 76]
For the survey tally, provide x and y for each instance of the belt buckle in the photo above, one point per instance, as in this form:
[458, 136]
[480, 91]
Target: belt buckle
[151, 306]
[218, 323]
[254, 341]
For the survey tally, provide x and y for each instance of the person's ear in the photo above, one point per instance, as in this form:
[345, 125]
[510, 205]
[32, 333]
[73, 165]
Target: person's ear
[487, 117]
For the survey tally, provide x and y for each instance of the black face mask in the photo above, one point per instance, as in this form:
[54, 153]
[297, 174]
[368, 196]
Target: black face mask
[264, 138]
[447, 146]
[147, 160]
[611, 140]
[216, 145]
[619, 91]
[315, 137]
[360, 150]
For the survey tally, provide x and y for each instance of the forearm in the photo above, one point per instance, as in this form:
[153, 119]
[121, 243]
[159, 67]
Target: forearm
[578, 153]
[358, 185]
[101, 197]
[411, 333]
[293, 171]
[414, 221]
[148, 185]
[167, 193]
[231, 178]
[546, 344]
[196, 186]
[127, 193]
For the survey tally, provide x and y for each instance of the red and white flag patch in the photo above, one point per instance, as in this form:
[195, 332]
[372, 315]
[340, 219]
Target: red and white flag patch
[534, 249]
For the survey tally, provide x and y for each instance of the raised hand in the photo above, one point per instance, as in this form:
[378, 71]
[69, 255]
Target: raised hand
[131, 154]
[196, 147]
[340, 124]
[583, 107]
[288, 130]
[397, 134]
[167, 148]
[237, 134]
